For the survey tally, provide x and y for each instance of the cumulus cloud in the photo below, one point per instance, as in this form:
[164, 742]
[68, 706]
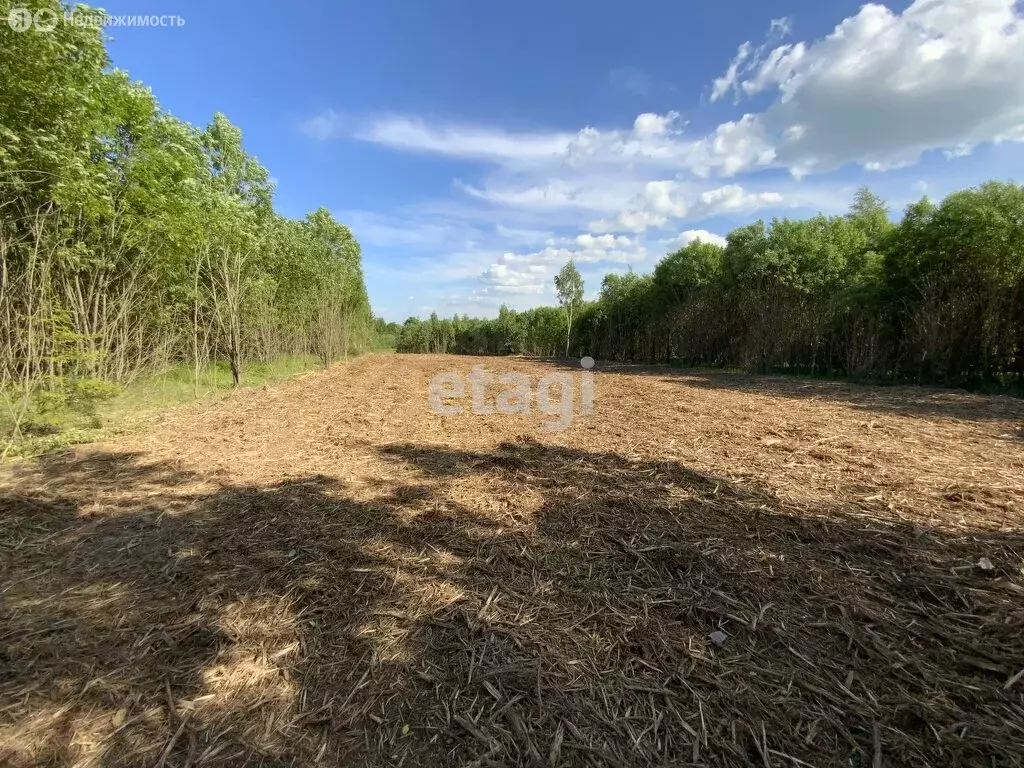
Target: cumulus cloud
[688, 236]
[883, 88]
[650, 124]
[516, 280]
[663, 201]
[532, 271]
[604, 242]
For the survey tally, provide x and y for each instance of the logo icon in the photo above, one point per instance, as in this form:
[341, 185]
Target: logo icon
[46, 20]
[19, 19]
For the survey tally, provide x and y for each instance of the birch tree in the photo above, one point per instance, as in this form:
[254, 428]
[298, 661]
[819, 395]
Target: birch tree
[569, 286]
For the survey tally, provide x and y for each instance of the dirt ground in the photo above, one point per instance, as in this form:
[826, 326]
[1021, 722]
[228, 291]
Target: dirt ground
[710, 569]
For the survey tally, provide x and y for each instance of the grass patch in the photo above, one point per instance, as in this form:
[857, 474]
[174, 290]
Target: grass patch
[75, 414]
[179, 384]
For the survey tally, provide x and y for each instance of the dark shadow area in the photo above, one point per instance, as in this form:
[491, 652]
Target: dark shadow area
[530, 605]
[899, 400]
[902, 400]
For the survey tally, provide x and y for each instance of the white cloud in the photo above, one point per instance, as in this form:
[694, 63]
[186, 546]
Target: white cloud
[776, 65]
[522, 236]
[519, 274]
[623, 201]
[727, 82]
[683, 239]
[883, 88]
[464, 141]
[555, 193]
[322, 127]
[746, 58]
[603, 242]
[650, 124]
[960, 150]
[663, 201]
[631, 221]
[653, 142]
[780, 28]
[506, 279]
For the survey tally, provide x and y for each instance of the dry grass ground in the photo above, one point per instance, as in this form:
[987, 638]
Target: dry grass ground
[326, 572]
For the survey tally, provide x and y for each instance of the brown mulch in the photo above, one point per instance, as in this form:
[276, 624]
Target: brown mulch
[712, 569]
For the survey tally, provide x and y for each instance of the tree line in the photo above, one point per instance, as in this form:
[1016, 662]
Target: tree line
[936, 298]
[540, 332]
[131, 240]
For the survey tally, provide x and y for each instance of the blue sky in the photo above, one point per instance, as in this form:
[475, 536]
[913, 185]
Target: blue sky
[474, 147]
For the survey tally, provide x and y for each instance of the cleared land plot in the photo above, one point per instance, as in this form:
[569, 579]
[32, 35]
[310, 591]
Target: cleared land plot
[325, 570]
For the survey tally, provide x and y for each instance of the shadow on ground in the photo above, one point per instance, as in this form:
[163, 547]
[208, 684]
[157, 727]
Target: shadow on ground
[903, 400]
[530, 605]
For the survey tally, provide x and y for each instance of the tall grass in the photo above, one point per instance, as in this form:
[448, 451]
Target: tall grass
[55, 423]
[178, 384]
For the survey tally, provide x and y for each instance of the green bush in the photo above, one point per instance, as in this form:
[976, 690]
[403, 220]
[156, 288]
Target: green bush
[67, 402]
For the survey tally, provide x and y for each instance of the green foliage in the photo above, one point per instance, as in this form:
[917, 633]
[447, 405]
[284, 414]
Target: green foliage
[691, 268]
[955, 278]
[938, 297]
[569, 287]
[870, 215]
[385, 334]
[87, 409]
[52, 111]
[177, 385]
[67, 403]
[539, 331]
[132, 241]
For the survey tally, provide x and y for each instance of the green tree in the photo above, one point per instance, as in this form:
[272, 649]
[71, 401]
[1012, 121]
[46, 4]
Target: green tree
[130, 240]
[569, 286]
[870, 215]
[684, 289]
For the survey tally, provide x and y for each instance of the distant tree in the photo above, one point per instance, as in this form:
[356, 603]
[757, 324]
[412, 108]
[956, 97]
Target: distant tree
[511, 332]
[870, 215]
[569, 285]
